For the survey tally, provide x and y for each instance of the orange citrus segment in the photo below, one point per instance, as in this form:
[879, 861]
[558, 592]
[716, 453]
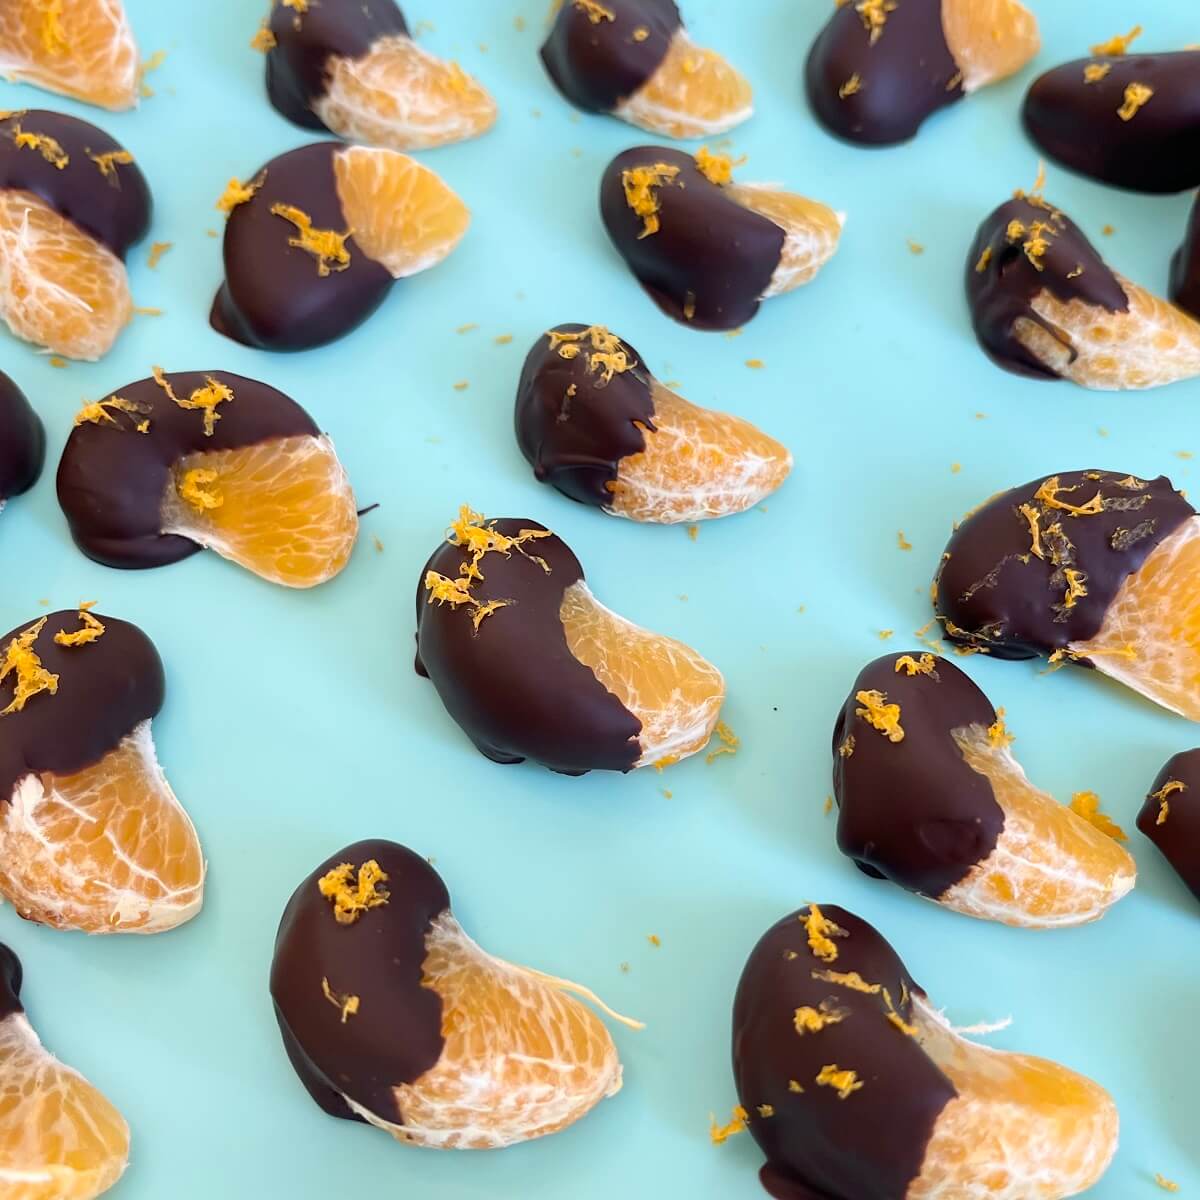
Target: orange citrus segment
[59, 288]
[1152, 344]
[283, 509]
[813, 231]
[697, 464]
[401, 213]
[989, 39]
[1050, 867]
[80, 48]
[674, 692]
[1020, 1128]
[402, 97]
[1150, 638]
[107, 850]
[60, 1139]
[694, 93]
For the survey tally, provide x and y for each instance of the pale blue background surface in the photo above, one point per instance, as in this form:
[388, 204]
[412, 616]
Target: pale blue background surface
[294, 723]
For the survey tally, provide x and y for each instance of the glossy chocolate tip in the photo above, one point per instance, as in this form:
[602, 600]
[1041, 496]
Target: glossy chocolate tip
[1025, 575]
[1170, 816]
[10, 983]
[394, 1034]
[22, 441]
[1185, 267]
[911, 810]
[575, 420]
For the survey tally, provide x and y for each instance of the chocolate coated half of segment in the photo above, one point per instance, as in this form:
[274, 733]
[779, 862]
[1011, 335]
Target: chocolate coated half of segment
[109, 203]
[22, 441]
[273, 296]
[10, 983]
[1170, 817]
[710, 261]
[112, 479]
[1088, 127]
[395, 1035]
[513, 685]
[878, 93]
[298, 63]
[913, 811]
[597, 61]
[573, 427]
[106, 688]
[818, 1146]
[995, 592]
[1185, 267]
[1003, 278]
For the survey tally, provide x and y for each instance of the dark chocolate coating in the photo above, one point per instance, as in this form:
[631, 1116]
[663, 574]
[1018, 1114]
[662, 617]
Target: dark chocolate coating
[112, 480]
[1178, 837]
[396, 1035]
[913, 811]
[709, 251]
[10, 983]
[106, 688]
[114, 210]
[575, 441]
[273, 297]
[1077, 123]
[297, 65]
[906, 76]
[597, 64]
[1185, 267]
[22, 441]
[514, 686]
[992, 592]
[871, 1145]
[1004, 290]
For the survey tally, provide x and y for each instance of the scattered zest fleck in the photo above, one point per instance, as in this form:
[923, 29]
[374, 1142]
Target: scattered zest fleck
[1076, 587]
[845, 1082]
[595, 11]
[101, 413]
[91, 629]
[1087, 806]
[503, 339]
[902, 541]
[109, 161]
[30, 677]
[606, 353]
[56, 360]
[1162, 796]
[874, 14]
[1136, 95]
[729, 743]
[766, 1110]
[263, 40]
[821, 932]
[884, 634]
[46, 146]
[1048, 494]
[462, 385]
[915, 247]
[849, 979]
[157, 250]
[813, 1020]
[716, 168]
[1094, 72]
[325, 245]
[851, 87]
[1116, 46]
[1167, 1185]
[204, 399]
[722, 1133]
[654, 940]
[922, 666]
[984, 259]
[351, 894]
[880, 715]
[828, 805]
[641, 186]
[346, 1005]
[237, 193]
[755, 364]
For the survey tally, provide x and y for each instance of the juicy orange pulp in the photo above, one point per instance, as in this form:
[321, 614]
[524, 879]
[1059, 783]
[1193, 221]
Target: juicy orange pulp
[1150, 638]
[59, 288]
[80, 48]
[1021, 1128]
[694, 93]
[1050, 866]
[401, 213]
[60, 1139]
[283, 509]
[989, 39]
[404, 98]
[697, 464]
[107, 850]
[674, 692]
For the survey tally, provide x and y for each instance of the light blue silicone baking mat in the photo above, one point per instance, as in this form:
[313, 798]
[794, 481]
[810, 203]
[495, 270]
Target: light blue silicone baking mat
[295, 724]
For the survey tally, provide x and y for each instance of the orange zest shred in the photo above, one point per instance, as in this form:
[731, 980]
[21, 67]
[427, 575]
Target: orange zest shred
[101, 412]
[326, 246]
[54, 37]
[716, 168]
[49, 148]
[998, 735]
[91, 628]
[720, 1134]
[984, 259]
[157, 250]
[901, 541]
[641, 186]
[846, 749]
[1033, 517]
[821, 932]
[880, 715]
[922, 666]
[1136, 96]
[300, 6]
[1116, 46]
[1048, 494]
[874, 14]
[848, 979]
[1087, 806]
[263, 40]
[608, 354]
[236, 193]
[729, 742]
[195, 488]
[203, 399]
[846, 1083]
[1167, 1185]
[851, 87]
[595, 11]
[1163, 797]
[1076, 587]
[1094, 72]
[21, 661]
[354, 893]
[813, 1020]
[347, 1005]
[108, 161]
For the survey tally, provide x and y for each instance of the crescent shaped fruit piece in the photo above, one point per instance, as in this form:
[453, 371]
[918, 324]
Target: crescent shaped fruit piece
[531, 665]
[196, 460]
[392, 1015]
[1044, 304]
[635, 59]
[60, 1139]
[354, 69]
[708, 250]
[930, 796]
[22, 442]
[91, 835]
[595, 424]
[854, 1085]
[315, 239]
[1093, 567]
[72, 202]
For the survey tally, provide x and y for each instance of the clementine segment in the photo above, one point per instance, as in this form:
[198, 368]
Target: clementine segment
[989, 39]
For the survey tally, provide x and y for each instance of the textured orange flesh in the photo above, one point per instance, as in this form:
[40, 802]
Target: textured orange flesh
[813, 232]
[989, 39]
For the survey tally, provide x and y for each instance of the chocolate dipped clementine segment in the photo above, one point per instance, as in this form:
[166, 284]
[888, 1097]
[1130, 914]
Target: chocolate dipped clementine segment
[707, 250]
[197, 460]
[531, 665]
[854, 1085]
[930, 796]
[1170, 816]
[60, 1139]
[595, 424]
[1044, 304]
[22, 442]
[1185, 268]
[91, 835]
[79, 48]
[392, 1015]
[72, 202]
[354, 69]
